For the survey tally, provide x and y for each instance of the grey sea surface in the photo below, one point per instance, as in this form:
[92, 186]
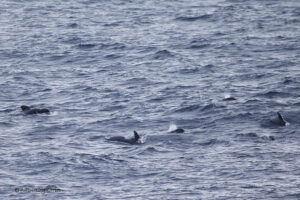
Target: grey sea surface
[107, 68]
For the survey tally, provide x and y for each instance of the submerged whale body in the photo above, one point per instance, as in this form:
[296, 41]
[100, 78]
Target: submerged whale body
[279, 120]
[28, 111]
[268, 137]
[254, 135]
[133, 140]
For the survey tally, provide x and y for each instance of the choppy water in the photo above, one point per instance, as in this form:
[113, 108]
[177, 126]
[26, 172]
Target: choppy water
[106, 68]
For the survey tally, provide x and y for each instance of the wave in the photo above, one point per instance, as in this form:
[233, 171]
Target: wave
[151, 150]
[112, 108]
[113, 24]
[273, 94]
[188, 108]
[195, 18]
[255, 135]
[10, 54]
[73, 25]
[195, 107]
[137, 80]
[90, 158]
[163, 54]
[113, 46]
[213, 142]
[208, 107]
[71, 40]
[56, 57]
[86, 46]
[189, 70]
[113, 56]
[6, 124]
[157, 99]
[199, 44]
[6, 110]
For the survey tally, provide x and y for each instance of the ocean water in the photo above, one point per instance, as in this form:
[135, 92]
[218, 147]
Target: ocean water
[107, 68]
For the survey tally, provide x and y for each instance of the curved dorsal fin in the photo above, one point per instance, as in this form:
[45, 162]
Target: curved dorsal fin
[280, 118]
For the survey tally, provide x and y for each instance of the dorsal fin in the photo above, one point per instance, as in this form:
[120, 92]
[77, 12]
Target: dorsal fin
[281, 120]
[136, 136]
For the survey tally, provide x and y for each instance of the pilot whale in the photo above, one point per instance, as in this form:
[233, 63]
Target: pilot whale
[133, 140]
[229, 99]
[178, 130]
[279, 120]
[174, 129]
[28, 111]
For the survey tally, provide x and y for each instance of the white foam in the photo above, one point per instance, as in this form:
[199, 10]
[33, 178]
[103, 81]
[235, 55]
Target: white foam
[287, 123]
[172, 127]
[142, 139]
[226, 96]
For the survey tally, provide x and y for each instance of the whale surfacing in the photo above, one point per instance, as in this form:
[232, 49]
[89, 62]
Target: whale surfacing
[28, 111]
[279, 121]
[178, 130]
[282, 122]
[174, 129]
[229, 99]
[134, 140]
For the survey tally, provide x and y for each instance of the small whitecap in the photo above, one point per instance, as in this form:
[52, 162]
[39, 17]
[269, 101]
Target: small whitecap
[53, 113]
[287, 123]
[142, 139]
[226, 96]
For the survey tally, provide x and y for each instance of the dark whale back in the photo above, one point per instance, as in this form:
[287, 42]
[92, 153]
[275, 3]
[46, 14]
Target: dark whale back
[133, 140]
[229, 99]
[37, 111]
[28, 111]
[178, 130]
